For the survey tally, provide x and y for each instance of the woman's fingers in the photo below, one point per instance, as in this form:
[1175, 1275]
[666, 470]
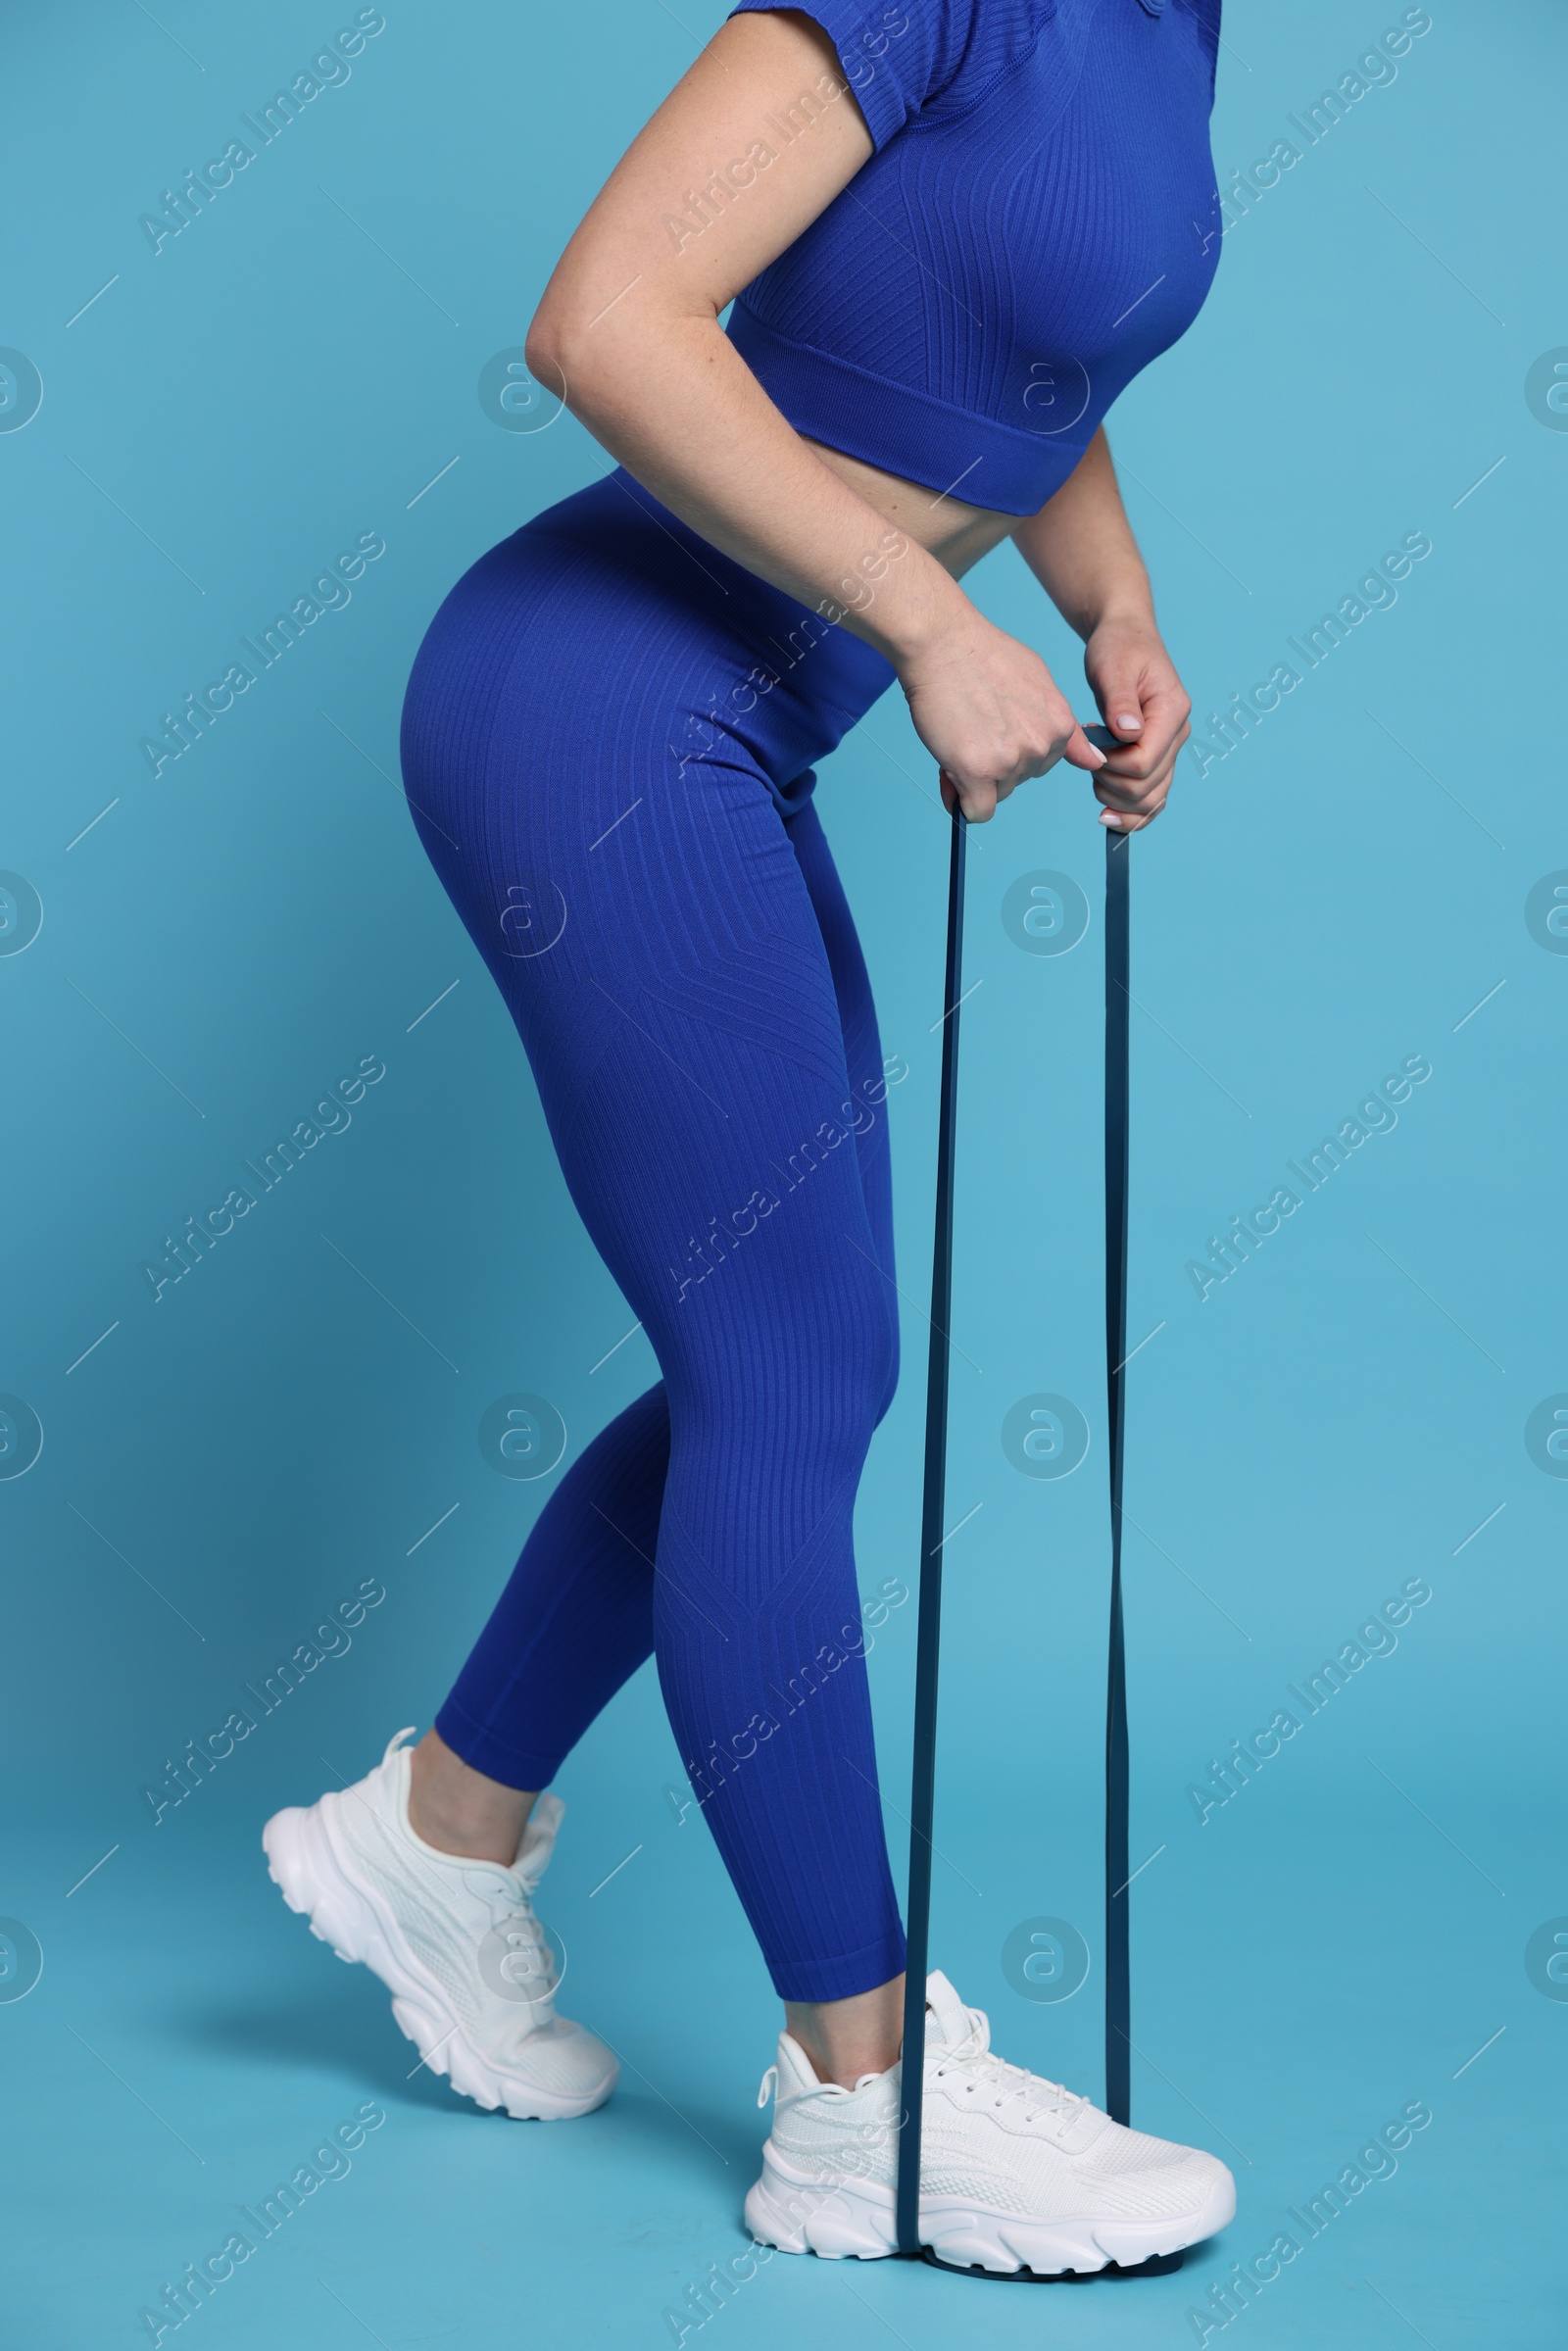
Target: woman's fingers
[1146, 720]
[1162, 728]
[1081, 751]
[1133, 785]
[1118, 823]
[1122, 691]
[1128, 803]
[991, 714]
[978, 801]
[1132, 779]
[980, 795]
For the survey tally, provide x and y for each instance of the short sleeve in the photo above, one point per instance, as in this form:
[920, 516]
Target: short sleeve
[901, 55]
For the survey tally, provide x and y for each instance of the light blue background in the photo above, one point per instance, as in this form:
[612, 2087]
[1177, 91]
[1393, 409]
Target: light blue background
[219, 944]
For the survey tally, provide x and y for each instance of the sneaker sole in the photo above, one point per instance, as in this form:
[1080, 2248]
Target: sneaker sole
[854, 2219]
[305, 1867]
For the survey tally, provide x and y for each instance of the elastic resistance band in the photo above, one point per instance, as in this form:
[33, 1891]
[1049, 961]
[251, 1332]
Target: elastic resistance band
[922, 1797]
[1118, 1988]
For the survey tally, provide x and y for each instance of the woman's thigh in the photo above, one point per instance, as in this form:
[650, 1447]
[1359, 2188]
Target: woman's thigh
[648, 919]
[870, 1071]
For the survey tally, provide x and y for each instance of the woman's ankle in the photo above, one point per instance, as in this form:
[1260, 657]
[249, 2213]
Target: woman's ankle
[461, 1811]
[847, 2039]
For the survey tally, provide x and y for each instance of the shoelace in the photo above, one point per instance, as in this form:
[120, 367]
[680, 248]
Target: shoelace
[529, 1963]
[512, 1919]
[978, 2057]
[974, 2056]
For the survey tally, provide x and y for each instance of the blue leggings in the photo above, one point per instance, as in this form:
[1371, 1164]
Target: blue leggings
[606, 746]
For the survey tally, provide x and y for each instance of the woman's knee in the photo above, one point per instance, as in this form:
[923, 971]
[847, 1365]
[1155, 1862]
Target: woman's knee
[855, 1376]
[821, 1382]
[891, 1377]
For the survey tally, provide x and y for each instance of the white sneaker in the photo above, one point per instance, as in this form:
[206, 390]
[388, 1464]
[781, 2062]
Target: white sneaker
[1016, 2173]
[471, 1976]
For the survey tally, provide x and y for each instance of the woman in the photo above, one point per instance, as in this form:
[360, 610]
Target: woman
[953, 229]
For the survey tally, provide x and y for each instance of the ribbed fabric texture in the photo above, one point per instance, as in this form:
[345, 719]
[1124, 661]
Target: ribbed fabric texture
[607, 745]
[1039, 221]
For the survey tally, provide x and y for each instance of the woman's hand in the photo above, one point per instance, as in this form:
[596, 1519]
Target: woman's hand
[990, 714]
[1081, 549]
[1143, 704]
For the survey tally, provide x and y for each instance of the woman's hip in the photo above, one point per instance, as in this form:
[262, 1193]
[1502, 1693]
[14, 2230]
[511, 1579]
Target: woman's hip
[606, 639]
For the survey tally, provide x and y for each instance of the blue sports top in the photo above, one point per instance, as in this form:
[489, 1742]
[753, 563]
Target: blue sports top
[1038, 220]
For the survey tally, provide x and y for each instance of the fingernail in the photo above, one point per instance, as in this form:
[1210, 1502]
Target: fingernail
[1099, 756]
[1128, 723]
[1114, 822]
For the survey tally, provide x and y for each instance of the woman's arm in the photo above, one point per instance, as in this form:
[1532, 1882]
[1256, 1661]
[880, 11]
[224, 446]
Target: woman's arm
[628, 331]
[1081, 549]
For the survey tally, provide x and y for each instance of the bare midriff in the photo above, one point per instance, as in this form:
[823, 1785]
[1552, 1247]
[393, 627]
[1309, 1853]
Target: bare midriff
[956, 534]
